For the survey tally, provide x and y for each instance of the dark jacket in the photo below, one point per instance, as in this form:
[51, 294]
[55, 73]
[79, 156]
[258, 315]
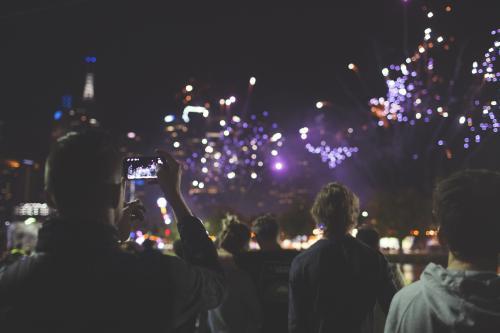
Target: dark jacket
[240, 310]
[269, 270]
[79, 280]
[334, 286]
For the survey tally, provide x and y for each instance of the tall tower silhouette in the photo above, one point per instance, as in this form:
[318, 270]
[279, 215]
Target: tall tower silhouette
[88, 88]
[70, 117]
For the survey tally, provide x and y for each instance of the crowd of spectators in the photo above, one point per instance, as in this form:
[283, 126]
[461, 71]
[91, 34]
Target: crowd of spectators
[85, 277]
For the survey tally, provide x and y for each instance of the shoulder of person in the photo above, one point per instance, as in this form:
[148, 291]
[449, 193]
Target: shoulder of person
[407, 310]
[408, 297]
[153, 262]
[373, 255]
[354, 242]
[311, 253]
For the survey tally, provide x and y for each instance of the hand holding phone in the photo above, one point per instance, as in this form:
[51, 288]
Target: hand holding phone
[170, 174]
[166, 170]
[141, 167]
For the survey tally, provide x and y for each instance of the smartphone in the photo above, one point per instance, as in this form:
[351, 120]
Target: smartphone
[141, 167]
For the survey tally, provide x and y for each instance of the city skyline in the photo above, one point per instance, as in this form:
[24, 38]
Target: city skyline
[261, 139]
[298, 61]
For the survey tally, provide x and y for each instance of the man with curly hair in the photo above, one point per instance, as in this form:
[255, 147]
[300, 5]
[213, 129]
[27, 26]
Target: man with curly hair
[335, 283]
[465, 296]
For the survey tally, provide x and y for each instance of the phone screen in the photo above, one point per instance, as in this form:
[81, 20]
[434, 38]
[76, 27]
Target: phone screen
[141, 167]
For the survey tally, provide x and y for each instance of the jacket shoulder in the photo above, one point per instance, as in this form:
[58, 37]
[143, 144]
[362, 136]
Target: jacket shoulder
[309, 258]
[409, 294]
[305, 255]
[406, 303]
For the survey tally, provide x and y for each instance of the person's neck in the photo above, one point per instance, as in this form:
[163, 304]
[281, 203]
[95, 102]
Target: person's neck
[486, 263]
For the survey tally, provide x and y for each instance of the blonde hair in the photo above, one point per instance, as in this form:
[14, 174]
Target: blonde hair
[335, 209]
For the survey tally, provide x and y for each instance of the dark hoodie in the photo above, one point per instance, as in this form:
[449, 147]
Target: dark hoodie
[334, 286]
[80, 280]
[447, 301]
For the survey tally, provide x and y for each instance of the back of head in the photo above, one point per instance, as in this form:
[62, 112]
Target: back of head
[369, 236]
[148, 245]
[235, 237]
[83, 173]
[335, 209]
[266, 228]
[465, 206]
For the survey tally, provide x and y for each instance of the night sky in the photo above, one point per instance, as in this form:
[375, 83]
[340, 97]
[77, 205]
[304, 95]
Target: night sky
[146, 52]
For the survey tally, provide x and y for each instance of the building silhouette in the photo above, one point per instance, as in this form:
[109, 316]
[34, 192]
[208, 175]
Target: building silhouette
[77, 116]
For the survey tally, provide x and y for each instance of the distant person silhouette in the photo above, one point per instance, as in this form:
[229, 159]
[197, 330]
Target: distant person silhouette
[335, 283]
[240, 310]
[269, 269]
[266, 230]
[80, 280]
[371, 237]
[465, 296]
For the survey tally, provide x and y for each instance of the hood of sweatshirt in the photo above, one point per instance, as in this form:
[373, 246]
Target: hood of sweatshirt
[462, 298]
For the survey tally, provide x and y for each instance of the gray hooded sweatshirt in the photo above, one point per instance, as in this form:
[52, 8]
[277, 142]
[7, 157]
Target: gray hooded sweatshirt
[447, 301]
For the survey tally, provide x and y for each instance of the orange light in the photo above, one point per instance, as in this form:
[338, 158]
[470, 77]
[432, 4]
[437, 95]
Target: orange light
[448, 8]
[13, 164]
[415, 232]
[378, 110]
[449, 155]
[188, 98]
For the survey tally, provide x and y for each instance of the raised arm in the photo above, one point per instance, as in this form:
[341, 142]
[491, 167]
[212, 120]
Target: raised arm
[198, 249]
[198, 279]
